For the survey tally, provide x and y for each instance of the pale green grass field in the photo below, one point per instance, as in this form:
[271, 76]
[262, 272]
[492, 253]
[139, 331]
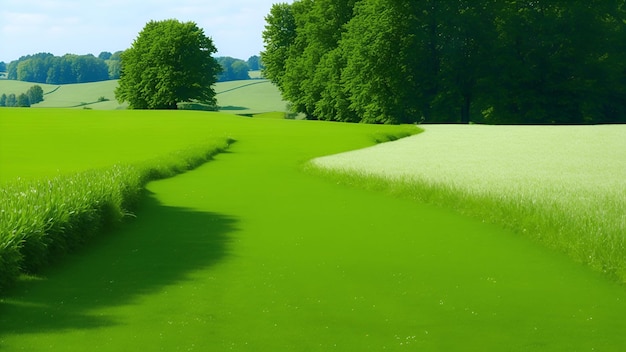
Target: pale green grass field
[249, 252]
[249, 97]
[18, 87]
[563, 185]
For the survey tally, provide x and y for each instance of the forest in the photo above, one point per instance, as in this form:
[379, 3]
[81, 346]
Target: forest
[457, 61]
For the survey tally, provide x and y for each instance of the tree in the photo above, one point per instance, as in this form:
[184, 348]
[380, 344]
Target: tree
[487, 61]
[3, 100]
[279, 36]
[23, 101]
[105, 55]
[35, 94]
[114, 64]
[115, 68]
[11, 100]
[232, 69]
[254, 63]
[168, 63]
[3, 66]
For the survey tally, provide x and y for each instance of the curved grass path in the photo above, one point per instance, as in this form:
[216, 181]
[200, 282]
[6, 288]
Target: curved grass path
[249, 253]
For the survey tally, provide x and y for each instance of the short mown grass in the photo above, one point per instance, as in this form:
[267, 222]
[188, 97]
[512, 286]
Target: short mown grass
[562, 186]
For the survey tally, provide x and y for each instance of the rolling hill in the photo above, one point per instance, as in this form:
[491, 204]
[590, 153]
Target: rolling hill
[247, 97]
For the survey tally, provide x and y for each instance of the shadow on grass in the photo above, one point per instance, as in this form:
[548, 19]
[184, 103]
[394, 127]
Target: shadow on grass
[232, 108]
[162, 247]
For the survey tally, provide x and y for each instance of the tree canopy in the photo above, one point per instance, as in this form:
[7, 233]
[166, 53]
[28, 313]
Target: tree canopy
[232, 69]
[169, 62]
[488, 61]
[69, 68]
[34, 95]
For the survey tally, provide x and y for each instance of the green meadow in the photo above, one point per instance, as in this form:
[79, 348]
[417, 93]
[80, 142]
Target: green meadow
[563, 186]
[255, 251]
[247, 97]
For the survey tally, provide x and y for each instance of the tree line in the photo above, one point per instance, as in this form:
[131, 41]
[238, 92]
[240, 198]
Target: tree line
[236, 69]
[34, 95]
[486, 61]
[47, 68]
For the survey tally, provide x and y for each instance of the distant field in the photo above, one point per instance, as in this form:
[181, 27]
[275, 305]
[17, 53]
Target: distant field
[17, 87]
[248, 97]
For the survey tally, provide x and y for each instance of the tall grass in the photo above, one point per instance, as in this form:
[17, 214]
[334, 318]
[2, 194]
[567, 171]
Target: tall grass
[562, 186]
[43, 219]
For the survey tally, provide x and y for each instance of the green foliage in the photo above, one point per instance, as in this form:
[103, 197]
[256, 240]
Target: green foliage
[232, 69]
[47, 68]
[254, 63]
[115, 68]
[105, 55]
[169, 62]
[398, 61]
[23, 101]
[11, 100]
[35, 94]
[279, 35]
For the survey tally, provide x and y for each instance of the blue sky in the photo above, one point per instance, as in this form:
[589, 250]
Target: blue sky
[85, 26]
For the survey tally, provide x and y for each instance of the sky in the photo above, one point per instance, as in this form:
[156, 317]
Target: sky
[93, 26]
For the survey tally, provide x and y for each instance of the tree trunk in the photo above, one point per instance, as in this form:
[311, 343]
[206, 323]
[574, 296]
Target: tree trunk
[465, 109]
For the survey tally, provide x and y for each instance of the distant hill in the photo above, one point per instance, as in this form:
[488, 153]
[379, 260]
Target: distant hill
[246, 97]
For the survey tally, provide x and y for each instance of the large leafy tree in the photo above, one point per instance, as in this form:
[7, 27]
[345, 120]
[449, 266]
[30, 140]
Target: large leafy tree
[169, 62]
[488, 61]
[279, 36]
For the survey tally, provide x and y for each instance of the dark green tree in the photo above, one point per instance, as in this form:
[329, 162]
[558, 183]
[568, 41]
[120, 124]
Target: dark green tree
[254, 63]
[22, 101]
[105, 55]
[3, 66]
[11, 100]
[3, 100]
[114, 65]
[560, 62]
[115, 68]
[393, 50]
[488, 61]
[232, 69]
[168, 63]
[35, 94]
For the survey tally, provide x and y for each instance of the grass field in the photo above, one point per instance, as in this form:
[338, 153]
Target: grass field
[249, 97]
[564, 186]
[249, 252]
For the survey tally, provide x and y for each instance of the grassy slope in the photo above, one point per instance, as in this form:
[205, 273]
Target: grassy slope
[249, 97]
[64, 141]
[237, 97]
[249, 253]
